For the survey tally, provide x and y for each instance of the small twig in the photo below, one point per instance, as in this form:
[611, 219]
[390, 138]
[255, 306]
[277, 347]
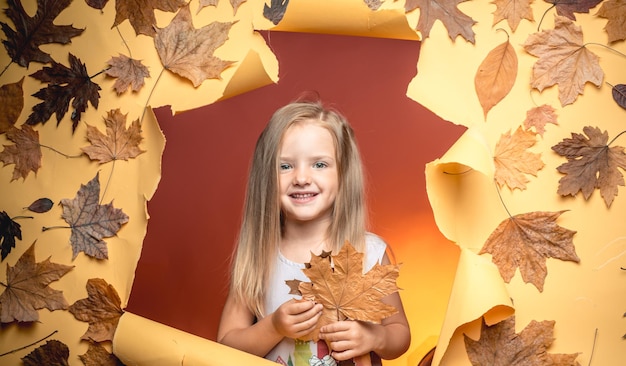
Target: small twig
[593, 347]
[29, 345]
[615, 138]
[106, 187]
[46, 228]
[501, 199]
[22, 217]
[60, 153]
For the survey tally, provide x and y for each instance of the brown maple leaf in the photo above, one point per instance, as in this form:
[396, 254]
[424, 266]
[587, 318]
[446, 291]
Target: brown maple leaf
[129, 73]
[236, 4]
[23, 43]
[27, 291]
[525, 241]
[538, 117]
[64, 85]
[91, 221]
[119, 143]
[97, 355]
[188, 52]
[563, 60]
[25, 154]
[456, 22]
[53, 353]
[591, 164]
[567, 8]
[204, 3]
[11, 104]
[495, 76]
[101, 309]
[140, 13]
[615, 12]
[513, 161]
[513, 11]
[500, 345]
[338, 283]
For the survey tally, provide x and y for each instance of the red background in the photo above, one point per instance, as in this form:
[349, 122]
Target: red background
[181, 279]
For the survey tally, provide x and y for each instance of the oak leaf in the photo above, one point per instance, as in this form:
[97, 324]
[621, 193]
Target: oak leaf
[188, 52]
[129, 73]
[615, 12]
[275, 11]
[525, 241]
[513, 11]
[500, 345]
[91, 221]
[118, 143]
[538, 117]
[9, 230]
[456, 22]
[619, 95]
[53, 353]
[140, 13]
[27, 291]
[101, 309]
[64, 85]
[97, 355]
[11, 104]
[591, 164]
[338, 283]
[23, 43]
[563, 60]
[25, 154]
[567, 8]
[495, 76]
[513, 161]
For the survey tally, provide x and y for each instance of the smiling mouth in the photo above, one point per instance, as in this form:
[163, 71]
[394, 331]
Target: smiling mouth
[300, 196]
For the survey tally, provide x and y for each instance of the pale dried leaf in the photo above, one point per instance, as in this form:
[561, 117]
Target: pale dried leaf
[513, 161]
[495, 76]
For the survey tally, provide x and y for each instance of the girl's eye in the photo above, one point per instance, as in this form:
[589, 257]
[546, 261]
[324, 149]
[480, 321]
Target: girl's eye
[320, 165]
[284, 166]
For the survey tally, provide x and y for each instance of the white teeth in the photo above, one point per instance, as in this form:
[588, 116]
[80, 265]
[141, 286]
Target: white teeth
[302, 195]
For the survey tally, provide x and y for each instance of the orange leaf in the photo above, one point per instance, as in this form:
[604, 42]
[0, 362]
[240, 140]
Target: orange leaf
[338, 283]
[513, 11]
[495, 76]
[512, 160]
[538, 117]
[188, 52]
[119, 143]
[563, 60]
[525, 241]
[25, 154]
[101, 309]
[27, 291]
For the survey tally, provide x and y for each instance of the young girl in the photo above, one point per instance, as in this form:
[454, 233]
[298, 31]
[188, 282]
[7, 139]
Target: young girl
[305, 195]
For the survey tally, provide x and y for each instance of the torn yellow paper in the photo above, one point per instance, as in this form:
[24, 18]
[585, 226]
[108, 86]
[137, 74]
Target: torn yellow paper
[142, 342]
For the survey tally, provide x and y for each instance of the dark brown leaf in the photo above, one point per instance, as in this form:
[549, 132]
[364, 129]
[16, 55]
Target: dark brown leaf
[276, 11]
[53, 353]
[619, 93]
[11, 104]
[9, 230]
[23, 43]
[446, 11]
[101, 309]
[140, 13]
[41, 205]
[25, 154]
[97, 355]
[65, 84]
[91, 221]
[567, 8]
[615, 12]
[97, 4]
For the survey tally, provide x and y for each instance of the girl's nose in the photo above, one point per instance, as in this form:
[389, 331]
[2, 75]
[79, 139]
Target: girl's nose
[302, 177]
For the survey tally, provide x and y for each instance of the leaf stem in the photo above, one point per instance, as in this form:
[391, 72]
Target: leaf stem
[99, 72]
[106, 187]
[544, 15]
[60, 153]
[29, 345]
[501, 199]
[607, 47]
[130, 55]
[150, 95]
[5, 68]
[615, 138]
[22, 217]
[46, 228]
[593, 346]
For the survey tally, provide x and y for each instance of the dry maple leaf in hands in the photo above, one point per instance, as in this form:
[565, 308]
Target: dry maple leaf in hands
[338, 283]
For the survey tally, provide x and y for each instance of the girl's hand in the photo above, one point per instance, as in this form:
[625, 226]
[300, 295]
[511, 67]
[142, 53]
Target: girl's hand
[295, 319]
[348, 339]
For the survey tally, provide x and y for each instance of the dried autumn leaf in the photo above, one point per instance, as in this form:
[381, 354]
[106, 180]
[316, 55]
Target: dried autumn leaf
[563, 60]
[64, 85]
[275, 11]
[495, 76]
[91, 221]
[140, 13]
[619, 94]
[23, 43]
[615, 12]
[538, 117]
[347, 293]
[41, 205]
[53, 353]
[591, 164]
[129, 73]
[567, 8]
[97, 355]
[9, 230]
[525, 241]
[97, 4]
[236, 4]
[513, 161]
[500, 345]
[204, 3]
[25, 154]
[456, 22]
[119, 143]
[11, 104]
[27, 291]
[188, 52]
[101, 309]
[373, 4]
[513, 11]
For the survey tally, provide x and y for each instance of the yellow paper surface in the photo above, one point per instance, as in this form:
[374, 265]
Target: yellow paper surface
[142, 342]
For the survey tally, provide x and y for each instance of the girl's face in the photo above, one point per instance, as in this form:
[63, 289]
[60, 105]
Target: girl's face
[308, 178]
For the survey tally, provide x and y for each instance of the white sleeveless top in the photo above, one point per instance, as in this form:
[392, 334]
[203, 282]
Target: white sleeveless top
[307, 353]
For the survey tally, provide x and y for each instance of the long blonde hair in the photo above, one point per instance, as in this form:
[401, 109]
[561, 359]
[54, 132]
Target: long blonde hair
[260, 232]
